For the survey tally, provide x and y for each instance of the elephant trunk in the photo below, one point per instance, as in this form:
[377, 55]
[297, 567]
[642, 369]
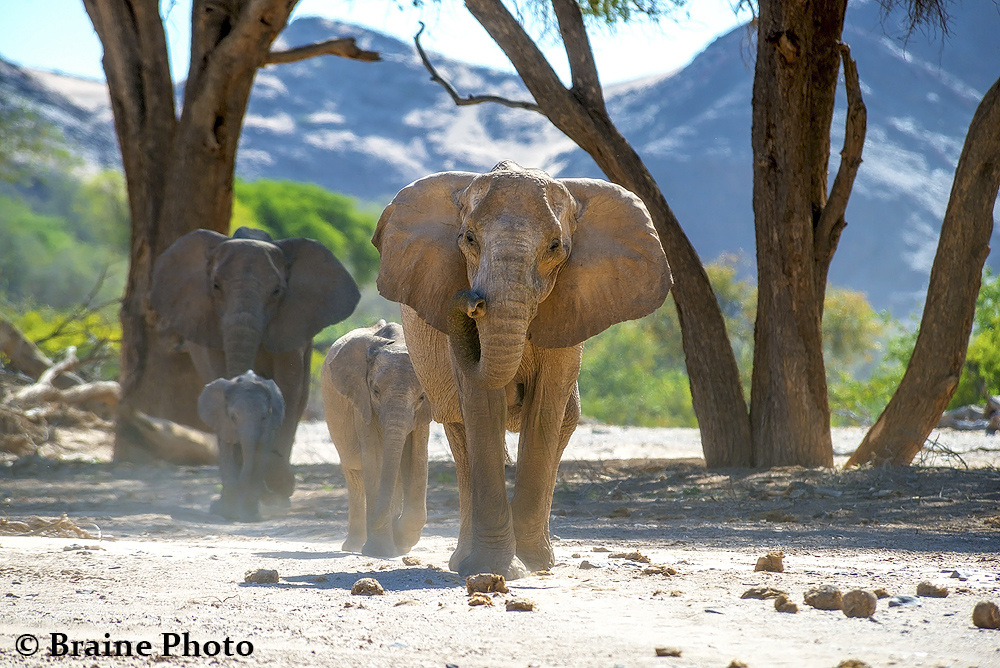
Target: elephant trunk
[241, 339]
[487, 339]
[394, 432]
[251, 477]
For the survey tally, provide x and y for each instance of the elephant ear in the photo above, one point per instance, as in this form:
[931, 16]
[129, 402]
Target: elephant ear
[181, 293]
[616, 269]
[319, 292]
[347, 365]
[417, 237]
[212, 402]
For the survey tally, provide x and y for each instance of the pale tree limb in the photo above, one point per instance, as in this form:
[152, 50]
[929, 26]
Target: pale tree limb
[469, 99]
[44, 391]
[576, 42]
[831, 222]
[172, 442]
[345, 47]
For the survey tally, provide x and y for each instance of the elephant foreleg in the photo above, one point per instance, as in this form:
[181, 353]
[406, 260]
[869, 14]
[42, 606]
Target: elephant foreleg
[455, 433]
[548, 421]
[229, 471]
[356, 511]
[413, 476]
[290, 371]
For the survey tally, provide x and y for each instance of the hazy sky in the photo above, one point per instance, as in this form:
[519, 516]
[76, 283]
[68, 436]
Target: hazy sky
[58, 35]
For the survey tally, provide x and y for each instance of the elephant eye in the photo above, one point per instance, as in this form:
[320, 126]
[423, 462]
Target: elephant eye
[470, 237]
[554, 246]
[216, 286]
[276, 291]
[375, 392]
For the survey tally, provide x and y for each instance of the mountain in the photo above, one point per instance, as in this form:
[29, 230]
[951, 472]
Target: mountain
[368, 129]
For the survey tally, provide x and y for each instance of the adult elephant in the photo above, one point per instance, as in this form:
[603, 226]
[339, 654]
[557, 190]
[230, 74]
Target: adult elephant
[251, 303]
[501, 277]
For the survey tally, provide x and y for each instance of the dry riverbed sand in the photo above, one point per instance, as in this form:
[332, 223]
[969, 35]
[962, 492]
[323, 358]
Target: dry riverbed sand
[653, 555]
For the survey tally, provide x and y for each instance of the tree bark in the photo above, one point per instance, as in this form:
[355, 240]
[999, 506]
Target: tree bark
[179, 172]
[932, 375]
[580, 113]
[798, 61]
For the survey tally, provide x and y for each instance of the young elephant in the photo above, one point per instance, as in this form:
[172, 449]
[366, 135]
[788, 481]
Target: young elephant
[379, 420]
[246, 414]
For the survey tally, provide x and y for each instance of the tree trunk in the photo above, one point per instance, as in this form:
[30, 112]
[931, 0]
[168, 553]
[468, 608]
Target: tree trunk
[580, 113]
[798, 60]
[932, 375]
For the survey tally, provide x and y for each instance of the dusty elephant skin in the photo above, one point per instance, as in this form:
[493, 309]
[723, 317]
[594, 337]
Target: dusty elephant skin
[246, 414]
[379, 420]
[251, 303]
[501, 277]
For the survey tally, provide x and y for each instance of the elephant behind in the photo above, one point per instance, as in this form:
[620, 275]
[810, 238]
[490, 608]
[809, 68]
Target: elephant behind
[502, 276]
[379, 420]
[246, 414]
[252, 303]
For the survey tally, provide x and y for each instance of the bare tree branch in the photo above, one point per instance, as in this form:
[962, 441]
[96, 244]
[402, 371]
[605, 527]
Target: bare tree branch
[831, 222]
[576, 42]
[469, 99]
[345, 47]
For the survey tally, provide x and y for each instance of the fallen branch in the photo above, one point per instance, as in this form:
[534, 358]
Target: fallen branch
[172, 442]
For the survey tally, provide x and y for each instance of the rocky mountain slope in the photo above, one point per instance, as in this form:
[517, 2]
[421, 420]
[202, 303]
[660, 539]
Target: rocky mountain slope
[368, 129]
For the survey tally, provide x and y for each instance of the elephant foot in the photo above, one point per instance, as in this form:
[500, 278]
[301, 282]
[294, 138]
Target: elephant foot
[537, 556]
[490, 562]
[404, 537]
[352, 544]
[230, 511]
[380, 546]
[276, 500]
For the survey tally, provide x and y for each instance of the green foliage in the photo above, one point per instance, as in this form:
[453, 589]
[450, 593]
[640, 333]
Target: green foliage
[288, 209]
[30, 144]
[858, 398]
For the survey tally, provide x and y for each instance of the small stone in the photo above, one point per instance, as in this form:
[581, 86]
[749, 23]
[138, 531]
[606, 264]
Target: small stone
[428, 581]
[824, 597]
[411, 561]
[261, 576]
[986, 615]
[635, 555]
[520, 605]
[586, 565]
[480, 599]
[763, 593]
[667, 651]
[931, 590]
[659, 570]
[771, 562]
[486, 583]
[575, 555]
[736, 663]
[859, 603]
[600, 549]
[367, 587]
[853, 663]
[881, 592]
[783, 604]
[903, 600]
[405, 601]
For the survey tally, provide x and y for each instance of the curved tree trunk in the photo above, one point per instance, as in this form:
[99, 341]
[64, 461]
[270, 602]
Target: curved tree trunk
[580, 113]
[932, 375]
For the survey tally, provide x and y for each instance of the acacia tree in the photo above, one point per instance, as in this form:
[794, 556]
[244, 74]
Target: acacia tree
[179, 170]
[798, 222]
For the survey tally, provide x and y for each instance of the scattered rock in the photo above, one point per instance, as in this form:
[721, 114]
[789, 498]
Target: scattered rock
[986, 615]
[486, 583]
[853, 663]
[881, 592]
[763, 593]
[367, 587]
[859, 603]
[931, 590]
[480, 599]
[600, 549]
[405, 601]
[784, 604]
[903, 600]
[962, 574]
[543, 573]
[586, 565]
[736, 663]
[261, 576]
[635, 555]
[575, 555]
[659, 570]
[411, 561]
[520, 605]
[824, 597]
[771, 562]
[668, 651]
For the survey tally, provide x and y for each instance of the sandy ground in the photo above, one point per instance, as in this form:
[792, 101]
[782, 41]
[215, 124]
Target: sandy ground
[164, 566]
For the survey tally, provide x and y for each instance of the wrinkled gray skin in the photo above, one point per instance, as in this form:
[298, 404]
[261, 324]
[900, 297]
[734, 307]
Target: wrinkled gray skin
[246, 414]
[379, 421]
[252, 303]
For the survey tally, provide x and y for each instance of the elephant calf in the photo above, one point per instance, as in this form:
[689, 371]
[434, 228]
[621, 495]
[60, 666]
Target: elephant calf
[246, 414]
[379, 420]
